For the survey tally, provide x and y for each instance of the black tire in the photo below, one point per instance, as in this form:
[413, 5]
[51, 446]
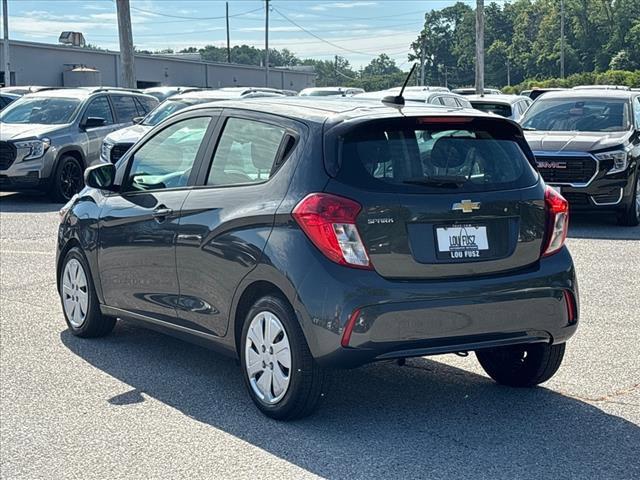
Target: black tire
[95, 324]
[307, 379]
[630, 216]
[522, 365]
[68, 179]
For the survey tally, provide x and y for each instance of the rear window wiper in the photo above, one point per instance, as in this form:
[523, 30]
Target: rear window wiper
[440, 182]
[529, 129]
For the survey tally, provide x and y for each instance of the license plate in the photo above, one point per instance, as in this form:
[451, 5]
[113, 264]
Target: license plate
[462, 241]
[557, 188]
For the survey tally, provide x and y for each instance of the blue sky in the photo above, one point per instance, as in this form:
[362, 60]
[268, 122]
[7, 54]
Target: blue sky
[358, 30]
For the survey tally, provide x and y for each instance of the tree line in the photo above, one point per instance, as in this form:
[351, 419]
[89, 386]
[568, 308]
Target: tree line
[522, 46]
[522, 40]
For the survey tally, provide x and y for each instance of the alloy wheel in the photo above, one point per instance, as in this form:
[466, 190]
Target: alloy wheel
[75, 293]
[70, 179]
[268, 357]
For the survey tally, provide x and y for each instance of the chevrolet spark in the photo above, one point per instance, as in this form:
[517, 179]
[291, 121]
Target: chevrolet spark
[304, 235]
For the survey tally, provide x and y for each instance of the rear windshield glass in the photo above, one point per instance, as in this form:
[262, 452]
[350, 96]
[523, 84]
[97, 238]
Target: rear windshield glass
[578, 115]
[497, 108]
[423, 158]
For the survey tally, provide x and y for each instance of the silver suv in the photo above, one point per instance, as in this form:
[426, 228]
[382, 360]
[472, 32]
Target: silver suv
[48, 138]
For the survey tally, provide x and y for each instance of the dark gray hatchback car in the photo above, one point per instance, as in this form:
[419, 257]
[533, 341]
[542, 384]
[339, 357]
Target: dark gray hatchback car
[302, 235]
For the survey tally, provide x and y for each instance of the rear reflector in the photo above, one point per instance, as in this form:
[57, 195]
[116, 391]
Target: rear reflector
[330, 223]
[571, 306]
[557, 221]
[348, 328]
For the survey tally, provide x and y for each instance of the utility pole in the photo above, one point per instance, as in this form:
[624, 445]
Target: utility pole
[335, 69]
[228, 40]
[480, 47]
[266, 44]
[422, 59]
[561, 38]
[508, 72]
[126, 44]
[5, 44]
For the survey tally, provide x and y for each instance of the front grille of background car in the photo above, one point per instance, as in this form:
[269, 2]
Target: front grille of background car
[7, 155]
[579, 169]
[118, 150]
[576, 198]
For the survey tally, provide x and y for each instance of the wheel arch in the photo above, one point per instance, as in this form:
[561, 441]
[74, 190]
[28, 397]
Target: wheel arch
[73, 151]
[250, 294]
[72, 242]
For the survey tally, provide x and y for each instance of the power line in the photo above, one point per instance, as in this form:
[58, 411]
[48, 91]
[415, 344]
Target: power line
[287, 9]
[335, 45]
[195, 18]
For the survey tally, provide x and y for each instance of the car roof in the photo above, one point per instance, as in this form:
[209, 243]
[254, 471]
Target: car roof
[585, 93]
[419, 94]
[495, 98]
[84, 92]
[223, 94]
[310, 109]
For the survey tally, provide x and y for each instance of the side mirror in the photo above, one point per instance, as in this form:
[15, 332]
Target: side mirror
[137, 120]
[92, 122]
[100, 176]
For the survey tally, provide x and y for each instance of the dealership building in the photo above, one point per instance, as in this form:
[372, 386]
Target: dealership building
[59, 65]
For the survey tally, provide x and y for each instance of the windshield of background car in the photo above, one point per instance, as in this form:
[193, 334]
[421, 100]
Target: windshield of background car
[41, 110]
[497, 108]
[165, 109]
[407, 157]
[578, 114]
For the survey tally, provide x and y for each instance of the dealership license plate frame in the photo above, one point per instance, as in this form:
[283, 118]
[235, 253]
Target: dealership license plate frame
[472, 242]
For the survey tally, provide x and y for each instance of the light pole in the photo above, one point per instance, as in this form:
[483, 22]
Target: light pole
[5, 44]
[480, 47]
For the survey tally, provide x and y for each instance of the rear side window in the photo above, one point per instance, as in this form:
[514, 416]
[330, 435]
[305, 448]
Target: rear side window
[449, 101]
[423, 158]
[125, 108]
[246, 152]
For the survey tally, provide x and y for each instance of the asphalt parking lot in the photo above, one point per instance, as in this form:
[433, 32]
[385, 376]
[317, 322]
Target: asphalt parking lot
[138, 404]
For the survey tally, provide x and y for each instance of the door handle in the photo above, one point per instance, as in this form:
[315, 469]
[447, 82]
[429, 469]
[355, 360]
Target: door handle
[160, 213]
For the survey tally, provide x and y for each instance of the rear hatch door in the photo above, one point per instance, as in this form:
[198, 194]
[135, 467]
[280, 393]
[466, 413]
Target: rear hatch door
[442, 197]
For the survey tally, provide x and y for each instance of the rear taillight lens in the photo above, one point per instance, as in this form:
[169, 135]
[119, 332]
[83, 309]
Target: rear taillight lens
[330, 223]
[557, 221]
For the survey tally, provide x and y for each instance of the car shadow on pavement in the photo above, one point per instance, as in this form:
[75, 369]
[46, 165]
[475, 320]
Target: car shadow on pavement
[425, 419]
[27, 203]
[600, 226]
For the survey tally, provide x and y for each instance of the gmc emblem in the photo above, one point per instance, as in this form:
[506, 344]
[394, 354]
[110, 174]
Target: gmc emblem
[555, 165]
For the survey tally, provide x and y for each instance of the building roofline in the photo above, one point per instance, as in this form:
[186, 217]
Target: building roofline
[154, 56]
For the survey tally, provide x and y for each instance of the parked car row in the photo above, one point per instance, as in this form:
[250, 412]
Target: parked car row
[585, 139]
[306, 234]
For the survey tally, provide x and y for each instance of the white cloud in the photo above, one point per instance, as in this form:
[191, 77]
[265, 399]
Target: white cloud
[328, 6]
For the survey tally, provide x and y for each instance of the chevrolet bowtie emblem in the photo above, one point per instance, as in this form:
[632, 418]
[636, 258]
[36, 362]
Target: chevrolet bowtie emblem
[467, 206]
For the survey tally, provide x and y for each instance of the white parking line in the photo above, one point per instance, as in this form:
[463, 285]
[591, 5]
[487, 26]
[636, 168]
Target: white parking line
[26, 252]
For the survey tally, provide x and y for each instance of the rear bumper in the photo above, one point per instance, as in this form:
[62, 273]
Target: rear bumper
[400, 319]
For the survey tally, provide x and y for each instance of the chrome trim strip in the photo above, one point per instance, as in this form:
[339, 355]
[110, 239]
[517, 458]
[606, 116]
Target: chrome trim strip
[608, 203]
[571, 154]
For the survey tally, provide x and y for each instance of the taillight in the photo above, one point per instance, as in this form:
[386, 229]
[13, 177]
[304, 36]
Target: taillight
[330, 223]
[557, 221]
